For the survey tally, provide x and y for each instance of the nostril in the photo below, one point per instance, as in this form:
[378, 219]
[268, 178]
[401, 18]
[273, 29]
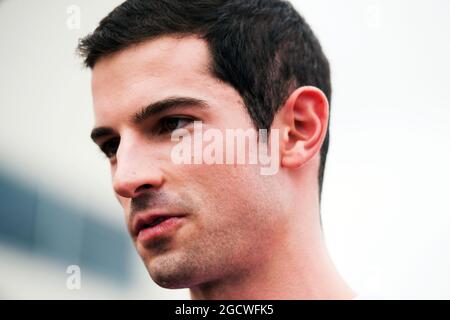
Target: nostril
[144, 187]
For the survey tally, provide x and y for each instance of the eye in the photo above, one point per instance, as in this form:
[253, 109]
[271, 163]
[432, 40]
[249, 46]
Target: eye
[110, 147]
[169, 124]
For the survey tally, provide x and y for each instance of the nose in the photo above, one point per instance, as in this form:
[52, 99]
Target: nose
[136, 170]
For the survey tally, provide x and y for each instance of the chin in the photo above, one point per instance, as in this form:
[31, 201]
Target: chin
[172, 280]
[171, 273]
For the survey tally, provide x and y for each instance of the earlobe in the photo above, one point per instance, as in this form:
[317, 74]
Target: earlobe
[304, 120]
[292, 153]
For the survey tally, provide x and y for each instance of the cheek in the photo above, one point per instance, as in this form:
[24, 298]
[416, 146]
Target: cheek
[121, 200]
[125, 204]
[233, 195]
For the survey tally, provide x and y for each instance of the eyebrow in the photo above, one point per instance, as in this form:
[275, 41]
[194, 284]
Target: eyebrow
[151, 110]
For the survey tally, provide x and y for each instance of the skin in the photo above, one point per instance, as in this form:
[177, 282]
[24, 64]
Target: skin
[245, 235]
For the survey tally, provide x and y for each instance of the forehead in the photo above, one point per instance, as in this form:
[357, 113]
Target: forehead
[140, 74]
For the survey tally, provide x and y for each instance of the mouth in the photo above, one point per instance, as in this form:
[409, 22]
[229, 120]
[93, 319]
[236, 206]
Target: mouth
[149, 226]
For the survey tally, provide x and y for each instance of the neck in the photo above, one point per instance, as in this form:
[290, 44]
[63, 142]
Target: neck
[297, 267]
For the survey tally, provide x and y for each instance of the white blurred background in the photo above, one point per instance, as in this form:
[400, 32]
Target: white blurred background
[385, 209]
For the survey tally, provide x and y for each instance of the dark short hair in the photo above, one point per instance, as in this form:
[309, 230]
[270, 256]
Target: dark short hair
[263, 48]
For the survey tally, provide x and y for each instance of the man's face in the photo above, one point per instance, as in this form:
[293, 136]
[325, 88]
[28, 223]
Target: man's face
[226, 217]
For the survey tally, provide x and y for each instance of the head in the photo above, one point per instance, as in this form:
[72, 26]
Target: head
[158, 66]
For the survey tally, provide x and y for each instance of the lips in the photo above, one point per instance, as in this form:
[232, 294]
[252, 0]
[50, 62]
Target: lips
[146, 226]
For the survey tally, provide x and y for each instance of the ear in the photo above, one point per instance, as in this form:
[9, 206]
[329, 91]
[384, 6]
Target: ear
[303, 122]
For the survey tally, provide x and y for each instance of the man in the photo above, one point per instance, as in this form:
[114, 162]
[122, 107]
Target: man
[225, 231]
